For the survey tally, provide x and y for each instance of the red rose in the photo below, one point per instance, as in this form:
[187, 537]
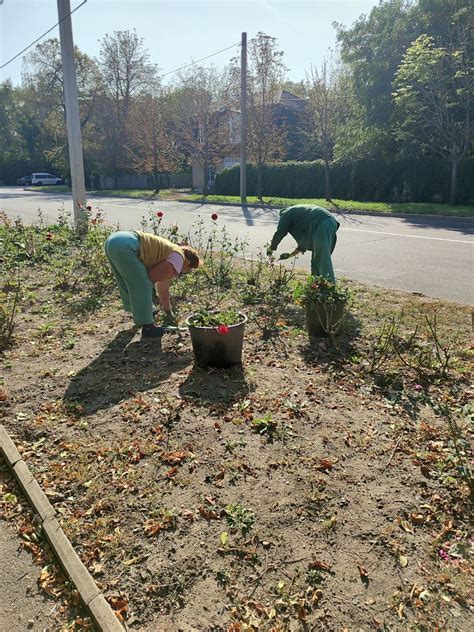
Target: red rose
[214, 216]
[223, 329]
[159, 214]
[49, 236]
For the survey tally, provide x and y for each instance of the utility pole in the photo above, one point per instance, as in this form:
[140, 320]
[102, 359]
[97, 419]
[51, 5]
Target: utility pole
[243, 119]
[76, 160]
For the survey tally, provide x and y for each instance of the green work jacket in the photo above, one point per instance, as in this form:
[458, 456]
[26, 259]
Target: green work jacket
[300, 221]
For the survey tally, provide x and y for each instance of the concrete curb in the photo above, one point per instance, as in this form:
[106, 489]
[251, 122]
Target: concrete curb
[94, 601]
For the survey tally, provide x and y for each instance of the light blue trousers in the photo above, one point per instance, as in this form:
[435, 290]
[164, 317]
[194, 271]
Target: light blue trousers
[136, 290]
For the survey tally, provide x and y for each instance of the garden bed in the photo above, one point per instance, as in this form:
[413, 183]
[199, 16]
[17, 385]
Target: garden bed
[323, 485]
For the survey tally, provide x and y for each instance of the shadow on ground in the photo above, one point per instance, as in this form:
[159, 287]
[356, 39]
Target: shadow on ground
[333, 352]
[462, 225]
[215, 386]
[459, 225]
[122, 370]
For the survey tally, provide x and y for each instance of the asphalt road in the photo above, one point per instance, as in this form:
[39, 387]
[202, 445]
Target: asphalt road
[429, 255]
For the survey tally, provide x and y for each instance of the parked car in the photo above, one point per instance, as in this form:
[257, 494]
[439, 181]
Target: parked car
[40, 179]
[24, 181]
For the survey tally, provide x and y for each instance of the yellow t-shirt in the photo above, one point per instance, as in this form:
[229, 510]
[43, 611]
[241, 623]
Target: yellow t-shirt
[154, 249]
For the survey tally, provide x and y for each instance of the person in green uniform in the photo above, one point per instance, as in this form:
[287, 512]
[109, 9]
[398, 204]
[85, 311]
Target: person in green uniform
[138, 261]
[313, 228]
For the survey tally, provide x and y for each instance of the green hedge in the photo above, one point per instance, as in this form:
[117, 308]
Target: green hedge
[398, 181]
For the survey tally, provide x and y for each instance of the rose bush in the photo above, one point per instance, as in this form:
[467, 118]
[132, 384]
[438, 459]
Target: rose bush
[220, 319]
[321, 290]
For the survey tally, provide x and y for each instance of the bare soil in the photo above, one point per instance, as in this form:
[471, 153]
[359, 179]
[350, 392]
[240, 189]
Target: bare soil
[23, 605]
[294, 493]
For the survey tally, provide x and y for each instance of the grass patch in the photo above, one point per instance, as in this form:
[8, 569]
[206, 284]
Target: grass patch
[128, 193]
[125, 193]
[57, 188]
[411, 208]
[145, 194]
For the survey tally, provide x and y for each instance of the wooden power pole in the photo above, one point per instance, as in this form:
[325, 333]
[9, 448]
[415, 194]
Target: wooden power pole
[76, 160]
[243, 120]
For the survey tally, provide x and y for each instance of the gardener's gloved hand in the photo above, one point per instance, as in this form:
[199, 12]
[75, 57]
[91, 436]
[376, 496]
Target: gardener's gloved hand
[269, 252]
[169, 320]
[284, 255]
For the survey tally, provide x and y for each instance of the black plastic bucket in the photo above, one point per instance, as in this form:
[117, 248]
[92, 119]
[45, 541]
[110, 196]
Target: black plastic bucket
[213, 348]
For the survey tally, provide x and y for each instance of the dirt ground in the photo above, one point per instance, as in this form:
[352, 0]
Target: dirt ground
[293, 493]
[23, 605]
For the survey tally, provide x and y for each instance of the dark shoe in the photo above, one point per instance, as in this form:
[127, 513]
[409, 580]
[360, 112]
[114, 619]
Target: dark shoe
[152, 331]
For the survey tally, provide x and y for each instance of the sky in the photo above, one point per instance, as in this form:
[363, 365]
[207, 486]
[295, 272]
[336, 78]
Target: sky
[179, 32]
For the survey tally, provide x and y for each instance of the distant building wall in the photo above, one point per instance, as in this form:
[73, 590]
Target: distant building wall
[197, 176]
[198, 171]
[165, 181]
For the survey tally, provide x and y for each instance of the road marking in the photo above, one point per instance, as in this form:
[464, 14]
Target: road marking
[379, 232]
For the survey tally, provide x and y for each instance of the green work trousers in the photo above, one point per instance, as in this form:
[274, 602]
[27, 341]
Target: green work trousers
[323, 241]
[136, 290]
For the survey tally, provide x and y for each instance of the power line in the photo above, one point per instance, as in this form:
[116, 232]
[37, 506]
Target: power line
[41, 36]
[160, 77]
[197, 61]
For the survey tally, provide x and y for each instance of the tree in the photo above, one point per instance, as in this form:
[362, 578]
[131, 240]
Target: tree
[355, 139]
[323, 104]
[434, 97]
[8, 122]
[373, 48]
[127, 75]
[14, 154]
[204, 133]
[266, 72]
[152, 147]
[42, 78]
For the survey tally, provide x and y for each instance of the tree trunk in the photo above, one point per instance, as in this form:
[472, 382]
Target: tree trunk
[259, 181]
[454, 179]
[156, 177]
[206, 176]
[327, 179]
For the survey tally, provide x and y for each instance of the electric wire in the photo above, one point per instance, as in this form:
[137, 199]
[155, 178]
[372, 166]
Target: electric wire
[41, 36]
[160, 76]
[198, 60]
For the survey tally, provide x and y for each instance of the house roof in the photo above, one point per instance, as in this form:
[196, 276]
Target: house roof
[290, 100]
[284, 98]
